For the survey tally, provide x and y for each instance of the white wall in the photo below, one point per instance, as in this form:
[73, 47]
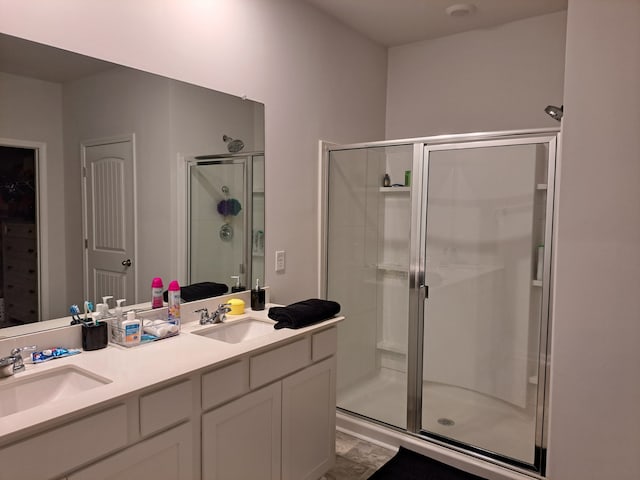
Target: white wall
[318, 80]
[31, 110]
[595, 388]
[492, 79]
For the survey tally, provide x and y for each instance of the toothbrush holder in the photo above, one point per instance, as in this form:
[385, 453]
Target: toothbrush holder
[95, 337]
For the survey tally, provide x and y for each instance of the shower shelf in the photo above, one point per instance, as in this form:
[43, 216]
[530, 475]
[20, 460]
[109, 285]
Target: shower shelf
[536, 283]
[541, 186]
[391, 347]
[391, 267]
[395, 189]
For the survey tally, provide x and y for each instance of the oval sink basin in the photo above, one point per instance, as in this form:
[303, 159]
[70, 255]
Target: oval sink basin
[19, 394]
[237, 331]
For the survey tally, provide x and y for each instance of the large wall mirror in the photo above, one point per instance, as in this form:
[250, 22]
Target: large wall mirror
[111, 176]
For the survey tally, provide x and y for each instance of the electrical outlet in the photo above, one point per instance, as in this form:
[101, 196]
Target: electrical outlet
[280, 261]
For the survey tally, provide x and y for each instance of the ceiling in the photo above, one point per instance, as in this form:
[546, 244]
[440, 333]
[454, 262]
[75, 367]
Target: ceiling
[386, 22]
[397, 22]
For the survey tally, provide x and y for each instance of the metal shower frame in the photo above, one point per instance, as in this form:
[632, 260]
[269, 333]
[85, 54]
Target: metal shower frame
[417, 287]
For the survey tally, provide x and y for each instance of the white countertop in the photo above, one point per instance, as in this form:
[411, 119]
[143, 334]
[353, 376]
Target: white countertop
[136, 368]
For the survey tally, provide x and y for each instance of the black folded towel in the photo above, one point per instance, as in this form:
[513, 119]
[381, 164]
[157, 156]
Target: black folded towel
[303, 314]
[198, 291]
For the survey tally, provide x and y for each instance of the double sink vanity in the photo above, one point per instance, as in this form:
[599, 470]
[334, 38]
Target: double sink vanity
[233, 400]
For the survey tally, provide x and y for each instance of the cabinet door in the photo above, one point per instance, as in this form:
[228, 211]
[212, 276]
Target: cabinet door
[309, 421]
[241, 440]
[168, 456]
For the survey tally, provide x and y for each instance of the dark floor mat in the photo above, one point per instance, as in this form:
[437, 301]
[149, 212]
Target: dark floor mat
[408, 465]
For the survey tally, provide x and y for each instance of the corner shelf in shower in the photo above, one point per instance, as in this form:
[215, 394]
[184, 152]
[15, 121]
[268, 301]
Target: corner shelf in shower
[395, 189]
[541, 186]
[392, 267]
[393, 347]
[536, 283]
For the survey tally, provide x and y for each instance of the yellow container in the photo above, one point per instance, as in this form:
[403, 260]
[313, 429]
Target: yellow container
[237, 306]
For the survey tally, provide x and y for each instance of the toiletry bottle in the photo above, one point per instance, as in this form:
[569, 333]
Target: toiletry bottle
[156, 293]
[99, 313]
[105, 300]
[131, 329]
[257, 297]
[386, 180]
[174, 303]
[237, 287]
[116, 321]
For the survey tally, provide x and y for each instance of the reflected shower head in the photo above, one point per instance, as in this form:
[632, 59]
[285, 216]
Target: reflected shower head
[555, 112]
[234, 146]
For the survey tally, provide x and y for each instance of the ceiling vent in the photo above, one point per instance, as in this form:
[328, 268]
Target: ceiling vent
[460, 10]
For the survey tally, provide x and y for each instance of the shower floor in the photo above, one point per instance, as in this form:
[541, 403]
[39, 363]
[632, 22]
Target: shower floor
[478, 420]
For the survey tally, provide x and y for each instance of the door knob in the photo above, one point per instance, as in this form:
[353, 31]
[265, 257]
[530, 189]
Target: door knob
[126, 263]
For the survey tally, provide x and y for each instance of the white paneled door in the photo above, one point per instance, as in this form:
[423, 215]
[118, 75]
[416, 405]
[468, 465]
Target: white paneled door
[108, 169]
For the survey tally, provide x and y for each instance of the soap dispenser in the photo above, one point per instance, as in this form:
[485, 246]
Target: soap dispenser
[257, 297]
[237, 287]
[116, 322]
[131, 330]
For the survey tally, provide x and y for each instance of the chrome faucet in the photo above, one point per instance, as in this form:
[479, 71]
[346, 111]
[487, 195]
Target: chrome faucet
[14, 362]
[218, 316]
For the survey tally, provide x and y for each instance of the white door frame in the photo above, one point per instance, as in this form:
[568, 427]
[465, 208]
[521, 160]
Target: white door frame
[83, 162]
[42, 221]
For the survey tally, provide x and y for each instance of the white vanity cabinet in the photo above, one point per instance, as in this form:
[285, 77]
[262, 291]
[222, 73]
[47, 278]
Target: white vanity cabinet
[266, 413]
[55, 451]
[308, 421]
[242, 438]
[284, 428]
[167, 456]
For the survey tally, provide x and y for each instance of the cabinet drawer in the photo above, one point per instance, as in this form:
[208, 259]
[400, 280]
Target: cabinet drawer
[165, 407]
[56, 451]
[225, 384]
[26, 230]
[23, 267]
[269, 366]
[19, 247]
[324, 344]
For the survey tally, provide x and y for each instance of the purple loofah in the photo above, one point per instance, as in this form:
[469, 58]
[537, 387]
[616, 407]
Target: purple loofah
[229, 207]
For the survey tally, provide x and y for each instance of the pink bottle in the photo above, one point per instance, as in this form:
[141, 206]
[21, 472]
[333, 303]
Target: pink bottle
[156, 293]
[174, 303]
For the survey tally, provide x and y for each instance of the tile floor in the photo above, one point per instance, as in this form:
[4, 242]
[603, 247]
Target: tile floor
[356, 459]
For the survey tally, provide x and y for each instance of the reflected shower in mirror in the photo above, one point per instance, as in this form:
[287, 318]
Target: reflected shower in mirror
[92, 126]
[226, 218]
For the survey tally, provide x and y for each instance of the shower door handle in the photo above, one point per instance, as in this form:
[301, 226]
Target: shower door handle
[424, 291]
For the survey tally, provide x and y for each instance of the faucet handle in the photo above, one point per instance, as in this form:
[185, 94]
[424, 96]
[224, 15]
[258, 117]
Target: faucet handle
[19, 350]
[16, 353]
[204, 314]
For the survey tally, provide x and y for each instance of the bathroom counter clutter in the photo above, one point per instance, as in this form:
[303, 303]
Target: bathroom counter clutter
[105, 403]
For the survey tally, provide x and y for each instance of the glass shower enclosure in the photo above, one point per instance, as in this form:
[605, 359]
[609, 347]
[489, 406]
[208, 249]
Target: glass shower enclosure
[226, 231]
[443, 276]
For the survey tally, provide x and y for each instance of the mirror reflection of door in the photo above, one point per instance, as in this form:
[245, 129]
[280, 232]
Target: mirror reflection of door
[19, 261]
[108, 169]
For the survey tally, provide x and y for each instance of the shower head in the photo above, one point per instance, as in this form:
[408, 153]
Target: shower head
[234, 146]
[555, 112]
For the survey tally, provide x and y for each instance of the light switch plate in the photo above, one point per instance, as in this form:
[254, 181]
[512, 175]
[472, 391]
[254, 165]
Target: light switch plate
[280, 260]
